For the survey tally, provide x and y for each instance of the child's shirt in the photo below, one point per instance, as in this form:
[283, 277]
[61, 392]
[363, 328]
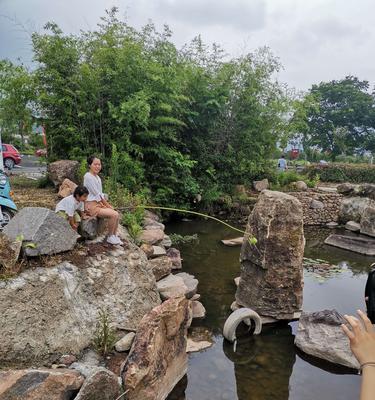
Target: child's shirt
[70, 205]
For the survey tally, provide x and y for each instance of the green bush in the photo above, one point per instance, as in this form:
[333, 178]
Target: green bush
[337, 172]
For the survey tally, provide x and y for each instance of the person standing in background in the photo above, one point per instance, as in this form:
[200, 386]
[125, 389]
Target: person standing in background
[282, 165]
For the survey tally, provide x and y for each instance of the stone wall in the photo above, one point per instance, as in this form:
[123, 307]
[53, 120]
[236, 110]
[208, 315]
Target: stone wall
[319, 208]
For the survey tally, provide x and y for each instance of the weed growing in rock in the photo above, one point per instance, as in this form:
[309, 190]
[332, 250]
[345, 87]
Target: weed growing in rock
[104, 338]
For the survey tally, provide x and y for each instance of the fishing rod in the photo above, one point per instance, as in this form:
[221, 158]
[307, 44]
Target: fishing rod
[252, 239]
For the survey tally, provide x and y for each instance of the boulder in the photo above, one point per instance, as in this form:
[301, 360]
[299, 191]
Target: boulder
[43, 232]
[320, 335]
[148, 249]
[175, 257]
[361, 245]
[190, 282]
[271, 271]
[261, 185]
[66, 188]
[69, 299]
[198, 309]
[316, 204]
[151, 236]
[102, 384]
[353, 226]
[151, 215]
[368, 221]
[171, 286]
[91, 228]
[367, 190]
[158, 251]
[9, 253]
[161, 267]
[149, 223]
[166, 242]
[158, 358]
[346, 188]
[301, 186]
[352, 208]
[39, 384]
[60, 170]
[125, 343]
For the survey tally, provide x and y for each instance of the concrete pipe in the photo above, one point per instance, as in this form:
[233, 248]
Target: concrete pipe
[238, 316]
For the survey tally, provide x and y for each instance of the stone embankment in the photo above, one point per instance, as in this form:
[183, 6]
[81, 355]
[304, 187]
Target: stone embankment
[51, 316]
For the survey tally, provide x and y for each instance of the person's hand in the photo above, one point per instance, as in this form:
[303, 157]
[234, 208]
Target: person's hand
[361, 336]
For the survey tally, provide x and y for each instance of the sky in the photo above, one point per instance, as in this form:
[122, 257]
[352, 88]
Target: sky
[315, 40]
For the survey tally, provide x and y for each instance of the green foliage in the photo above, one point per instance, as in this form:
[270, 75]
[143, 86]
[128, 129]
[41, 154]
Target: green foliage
[104, 338]
[336, 172]
[186, 239]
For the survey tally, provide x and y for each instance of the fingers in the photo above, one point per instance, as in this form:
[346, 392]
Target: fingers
[354, 323]
[366, 322]
[348, 332]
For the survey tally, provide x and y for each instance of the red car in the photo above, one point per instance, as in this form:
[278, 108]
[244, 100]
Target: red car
[11, 156]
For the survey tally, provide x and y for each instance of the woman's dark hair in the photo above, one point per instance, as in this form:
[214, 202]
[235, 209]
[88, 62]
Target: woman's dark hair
[91, 159]
[80, 191]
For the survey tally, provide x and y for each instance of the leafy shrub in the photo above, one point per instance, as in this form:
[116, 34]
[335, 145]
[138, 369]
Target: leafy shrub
[337, 172]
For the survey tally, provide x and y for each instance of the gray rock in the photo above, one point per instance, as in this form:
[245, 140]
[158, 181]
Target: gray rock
[353, 226]
[190, 282]
[166, 242]
[367, 190]
[151, 215]
[198, 309]
[149, 223]
[320, 335]
[125, 343]
[42, 231]
[171, 286]
[316, 204]
[175, 257]
[271, 272]
[352, 208]
[261, 185]
[301, 186]
[346, 188]
[332, 225]
[233, 242]
[69, 299]
[161, 267]
[101, 384]
[194, 346]
[151, 236]
[361, 245]
[62, 169]
[88, 228]
[368, 221]
[158, 251]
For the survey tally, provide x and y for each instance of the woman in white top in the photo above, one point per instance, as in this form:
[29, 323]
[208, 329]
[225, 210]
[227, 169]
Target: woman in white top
[96, 205]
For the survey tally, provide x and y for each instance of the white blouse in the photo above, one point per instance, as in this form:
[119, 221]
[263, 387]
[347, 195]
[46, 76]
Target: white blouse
[94, 186]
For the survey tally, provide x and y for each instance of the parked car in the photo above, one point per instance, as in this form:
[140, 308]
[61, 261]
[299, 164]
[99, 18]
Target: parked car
[7, 206]
[11, 156]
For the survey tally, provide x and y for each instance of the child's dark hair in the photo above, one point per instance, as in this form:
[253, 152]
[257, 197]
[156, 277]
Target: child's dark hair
[91, 159]
[80, 191]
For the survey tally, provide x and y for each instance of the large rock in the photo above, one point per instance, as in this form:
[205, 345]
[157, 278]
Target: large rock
[60, 170]
[301, 186]
[161, 267]
[353, 226]
[320, 335]
[125, 343]
[149, 223]
[39, 384]
[367, 190]
[175, 257]
[271, 271]
[352, 208]
[171, 286]
[55, 310]
[191, 283]
[158, 357]
[361, 245]
[91, 228]
[368, 221]
[151, 236]
[261, 185]
[42, 231]
[102, 384]
[66, 188]
[346, 188]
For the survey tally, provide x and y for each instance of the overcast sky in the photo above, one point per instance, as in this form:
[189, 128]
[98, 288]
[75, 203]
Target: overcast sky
[316, 40]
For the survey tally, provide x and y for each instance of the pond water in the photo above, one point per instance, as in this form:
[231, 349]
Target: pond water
[268, 366]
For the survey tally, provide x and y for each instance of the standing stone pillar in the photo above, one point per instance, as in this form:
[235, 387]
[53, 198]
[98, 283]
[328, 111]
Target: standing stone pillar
[271, 271]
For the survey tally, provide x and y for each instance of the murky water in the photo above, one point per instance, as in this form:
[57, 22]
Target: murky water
[268, 366]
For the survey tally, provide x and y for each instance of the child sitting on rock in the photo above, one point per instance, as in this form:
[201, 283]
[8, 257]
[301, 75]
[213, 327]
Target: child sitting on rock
[71, 207]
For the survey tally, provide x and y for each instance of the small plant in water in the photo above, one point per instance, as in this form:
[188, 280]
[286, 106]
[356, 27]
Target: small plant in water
[180, 239]
[104, 338]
